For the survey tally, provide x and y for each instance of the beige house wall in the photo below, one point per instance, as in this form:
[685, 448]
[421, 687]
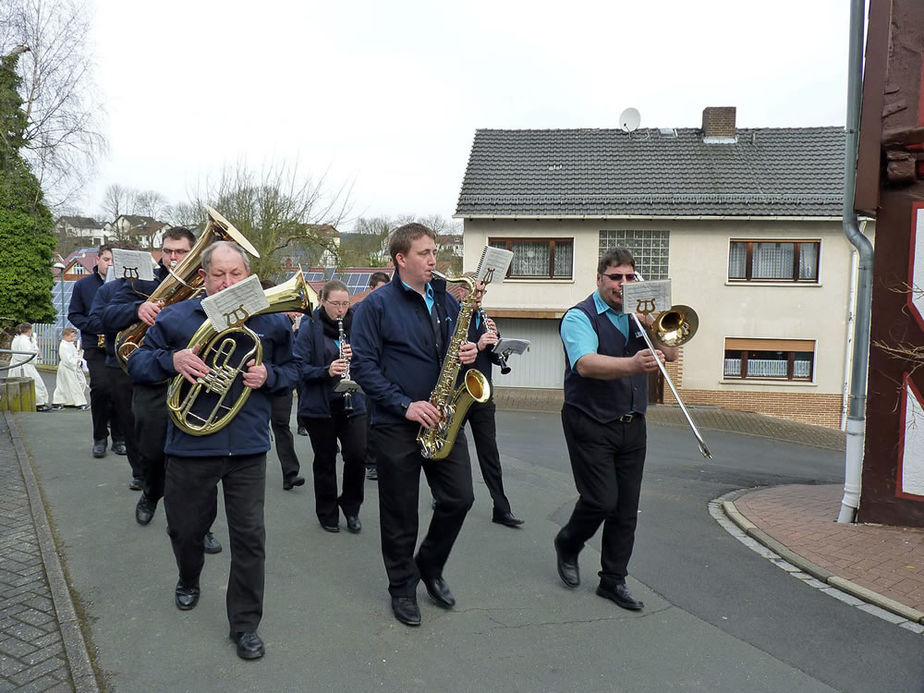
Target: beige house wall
[699, 269]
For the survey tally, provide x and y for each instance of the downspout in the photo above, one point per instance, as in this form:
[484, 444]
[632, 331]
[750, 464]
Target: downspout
[848, 337]
[856, 414]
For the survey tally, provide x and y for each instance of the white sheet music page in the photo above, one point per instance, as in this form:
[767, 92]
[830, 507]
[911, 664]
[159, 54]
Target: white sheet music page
[232, 306]
[509, 345]
[132, 264]
[493, 265]
[646, 297]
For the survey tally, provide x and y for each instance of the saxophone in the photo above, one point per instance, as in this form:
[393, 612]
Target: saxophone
[453, 403]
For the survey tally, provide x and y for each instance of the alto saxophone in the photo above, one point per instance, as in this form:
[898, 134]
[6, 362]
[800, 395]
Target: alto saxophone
[453, 403]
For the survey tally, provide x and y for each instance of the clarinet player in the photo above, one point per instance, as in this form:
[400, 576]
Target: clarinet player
[328, 415]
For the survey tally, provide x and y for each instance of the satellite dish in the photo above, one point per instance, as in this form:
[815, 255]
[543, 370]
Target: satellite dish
[629, 119]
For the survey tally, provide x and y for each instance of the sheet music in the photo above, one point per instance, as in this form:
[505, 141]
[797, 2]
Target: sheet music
[132, 264]
[232, 306]
[507, 346]
[493, 265]
[650, 296]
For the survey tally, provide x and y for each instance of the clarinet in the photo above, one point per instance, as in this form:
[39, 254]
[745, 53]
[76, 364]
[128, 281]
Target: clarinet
[345, 376]
[501, 359]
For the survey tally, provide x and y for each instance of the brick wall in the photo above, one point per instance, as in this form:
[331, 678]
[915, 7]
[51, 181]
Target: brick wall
[804, 407]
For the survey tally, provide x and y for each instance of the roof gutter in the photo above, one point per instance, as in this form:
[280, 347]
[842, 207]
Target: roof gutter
[856, 414]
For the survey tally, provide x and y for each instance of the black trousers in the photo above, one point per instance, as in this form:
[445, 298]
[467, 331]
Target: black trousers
[324, 434]
[149, 407]
[101, 395]
[607, 461]
[190, 500]
[122, 415]
[370, 450]
[450, 480]
[281, 414]
[484, 432]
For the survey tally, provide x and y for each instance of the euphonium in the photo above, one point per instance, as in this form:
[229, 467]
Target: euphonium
[218, 349]
[453, 403]
[183, 280]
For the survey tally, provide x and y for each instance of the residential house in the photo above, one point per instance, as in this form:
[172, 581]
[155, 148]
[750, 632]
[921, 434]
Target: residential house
[745, 222]
[143, 231]
[82, 227]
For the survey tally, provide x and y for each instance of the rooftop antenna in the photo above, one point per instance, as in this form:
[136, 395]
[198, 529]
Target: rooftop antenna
[629, 120]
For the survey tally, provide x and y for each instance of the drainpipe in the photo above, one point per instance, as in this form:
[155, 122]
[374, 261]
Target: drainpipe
[856, 414]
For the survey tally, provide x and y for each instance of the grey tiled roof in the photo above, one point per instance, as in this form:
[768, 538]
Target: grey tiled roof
[767, 172]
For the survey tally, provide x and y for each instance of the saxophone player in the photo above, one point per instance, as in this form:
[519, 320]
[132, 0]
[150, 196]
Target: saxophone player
[400, 337]
[328, 415]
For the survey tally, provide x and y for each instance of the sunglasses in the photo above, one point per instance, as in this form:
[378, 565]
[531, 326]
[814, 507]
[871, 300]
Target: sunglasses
[616, 276]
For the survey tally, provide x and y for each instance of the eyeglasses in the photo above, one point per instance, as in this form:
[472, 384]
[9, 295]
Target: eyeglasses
[338, 304]
[616, 276]
[175, 251]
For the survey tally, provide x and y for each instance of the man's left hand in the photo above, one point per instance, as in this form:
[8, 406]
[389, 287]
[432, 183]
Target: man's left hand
[468, 352]
[254, 376]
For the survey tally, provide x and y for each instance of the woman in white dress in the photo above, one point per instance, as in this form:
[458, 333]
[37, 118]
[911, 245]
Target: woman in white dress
[23, 341]
[70, 383]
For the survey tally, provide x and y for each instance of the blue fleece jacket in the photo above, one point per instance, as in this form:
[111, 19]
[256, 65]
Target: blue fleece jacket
[248, 434]
[78, 312]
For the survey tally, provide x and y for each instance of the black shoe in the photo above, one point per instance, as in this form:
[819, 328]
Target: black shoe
[567, 567]
[353, 524]
[333, 529]
[439, 592]
[302, 431]
[506, 518]
[621, 595]
[185, 597]
[210, 544]
[406, 610]
[289, 484]
[249, 645]
[135, 483]
[57, 407]
[118, 447]
[372, 474]
[99, 448]
[43, 407]
[144, 511]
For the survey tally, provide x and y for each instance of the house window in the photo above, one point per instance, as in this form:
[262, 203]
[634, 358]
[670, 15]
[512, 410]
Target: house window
[538, 258]
[769, 359]
[773, 261]
[649, 248]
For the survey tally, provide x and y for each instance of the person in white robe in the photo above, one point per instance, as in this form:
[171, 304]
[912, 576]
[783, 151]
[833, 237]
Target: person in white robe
[24, 341]
[70, 383]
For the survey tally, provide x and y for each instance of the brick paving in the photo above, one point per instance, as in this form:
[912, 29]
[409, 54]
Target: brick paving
[32, 651]
[886, 560]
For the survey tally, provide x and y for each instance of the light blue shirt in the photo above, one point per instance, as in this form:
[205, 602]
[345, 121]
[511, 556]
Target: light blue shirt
[428, 295]
[579, 336]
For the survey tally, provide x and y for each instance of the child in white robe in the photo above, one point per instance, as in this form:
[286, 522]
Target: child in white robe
[70, 383]
[24, 341]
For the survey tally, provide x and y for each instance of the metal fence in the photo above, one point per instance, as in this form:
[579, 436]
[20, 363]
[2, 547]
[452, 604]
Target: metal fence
[48, 338]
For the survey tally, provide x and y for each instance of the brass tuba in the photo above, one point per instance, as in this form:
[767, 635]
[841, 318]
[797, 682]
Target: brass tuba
[453, 403]
[218, 349]
[183, 281]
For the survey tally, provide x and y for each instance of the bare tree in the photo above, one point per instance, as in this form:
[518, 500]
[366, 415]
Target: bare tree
[63, 132]
[150, 203]
[116, 200]
[277, 209]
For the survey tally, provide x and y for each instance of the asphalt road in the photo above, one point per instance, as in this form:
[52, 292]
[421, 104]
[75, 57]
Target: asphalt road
[718, 617]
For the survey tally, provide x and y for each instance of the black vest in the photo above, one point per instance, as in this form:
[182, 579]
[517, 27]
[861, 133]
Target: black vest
[607, 400]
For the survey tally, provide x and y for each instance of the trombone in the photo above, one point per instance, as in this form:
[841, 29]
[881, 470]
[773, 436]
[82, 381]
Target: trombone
[675, 327]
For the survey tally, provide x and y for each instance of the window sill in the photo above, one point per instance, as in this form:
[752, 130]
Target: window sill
[768, 381]
[537, 280]
[803, 285]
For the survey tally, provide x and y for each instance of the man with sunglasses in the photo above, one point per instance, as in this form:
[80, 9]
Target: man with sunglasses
[606, 394]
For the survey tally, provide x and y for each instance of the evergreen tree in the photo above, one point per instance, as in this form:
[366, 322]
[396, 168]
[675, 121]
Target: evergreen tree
[27, 238]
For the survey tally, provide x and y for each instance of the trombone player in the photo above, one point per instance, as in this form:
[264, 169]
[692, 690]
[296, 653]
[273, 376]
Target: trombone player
[603, 417]
[234, 455]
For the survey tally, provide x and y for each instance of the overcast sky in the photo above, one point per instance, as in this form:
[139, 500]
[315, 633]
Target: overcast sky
[386, 96]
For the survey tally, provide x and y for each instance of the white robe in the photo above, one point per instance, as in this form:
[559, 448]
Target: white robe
[70, 383]
[23, 342]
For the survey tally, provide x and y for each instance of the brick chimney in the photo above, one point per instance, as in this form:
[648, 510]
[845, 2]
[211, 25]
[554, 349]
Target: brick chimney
[719, 124]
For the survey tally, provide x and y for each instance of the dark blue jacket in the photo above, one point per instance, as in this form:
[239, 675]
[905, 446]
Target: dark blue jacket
[248, 434]
[607, 400]
[98, 323]
[395, 357]
[122, 311]
[487, 359]
[315, 353]
[78, 313]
